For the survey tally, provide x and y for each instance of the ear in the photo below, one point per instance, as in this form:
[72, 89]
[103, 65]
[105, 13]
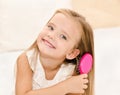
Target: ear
[73, 54]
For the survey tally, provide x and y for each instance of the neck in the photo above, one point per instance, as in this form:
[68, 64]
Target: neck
[50, 63]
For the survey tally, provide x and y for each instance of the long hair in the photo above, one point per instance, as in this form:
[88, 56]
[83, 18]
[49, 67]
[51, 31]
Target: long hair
[86, 44]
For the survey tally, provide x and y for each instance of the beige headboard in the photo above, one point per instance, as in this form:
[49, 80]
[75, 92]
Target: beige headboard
[100, 13]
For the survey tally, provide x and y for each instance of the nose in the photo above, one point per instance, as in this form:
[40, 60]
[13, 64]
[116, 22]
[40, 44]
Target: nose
[51, 35]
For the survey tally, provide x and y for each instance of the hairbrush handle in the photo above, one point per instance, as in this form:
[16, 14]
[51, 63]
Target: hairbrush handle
[85, 63]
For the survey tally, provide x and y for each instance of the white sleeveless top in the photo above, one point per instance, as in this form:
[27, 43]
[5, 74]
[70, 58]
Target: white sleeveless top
[39, 80]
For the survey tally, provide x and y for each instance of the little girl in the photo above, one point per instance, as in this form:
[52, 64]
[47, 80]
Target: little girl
[49, 66]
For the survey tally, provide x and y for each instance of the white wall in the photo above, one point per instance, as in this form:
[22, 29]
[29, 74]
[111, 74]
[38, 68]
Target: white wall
[21, 21]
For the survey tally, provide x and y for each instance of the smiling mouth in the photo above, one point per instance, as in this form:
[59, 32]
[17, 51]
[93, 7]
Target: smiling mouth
[48, 43]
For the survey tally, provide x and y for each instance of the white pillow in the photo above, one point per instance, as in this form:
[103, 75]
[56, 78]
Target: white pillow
[107, 61]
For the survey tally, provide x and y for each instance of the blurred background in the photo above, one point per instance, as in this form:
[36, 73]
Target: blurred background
[22, 20]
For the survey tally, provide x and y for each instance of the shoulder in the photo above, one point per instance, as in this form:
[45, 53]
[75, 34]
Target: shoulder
[22, 61]
[22, 58]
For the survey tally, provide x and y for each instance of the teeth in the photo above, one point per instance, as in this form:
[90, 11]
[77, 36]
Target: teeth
[47, 43]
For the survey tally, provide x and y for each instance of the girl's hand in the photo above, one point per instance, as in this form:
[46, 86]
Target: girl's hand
[77, 84]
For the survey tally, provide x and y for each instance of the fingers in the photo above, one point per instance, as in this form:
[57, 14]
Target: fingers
[84, 75]
[80, 83]
[82, 91]
[85, 81]
[85, 86]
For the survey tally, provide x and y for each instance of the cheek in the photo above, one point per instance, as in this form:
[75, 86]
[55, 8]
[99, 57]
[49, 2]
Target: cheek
[65, 47]
[38, 38]
[42, 34]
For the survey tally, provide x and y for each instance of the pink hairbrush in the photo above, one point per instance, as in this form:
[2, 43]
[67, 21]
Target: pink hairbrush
[85, 63]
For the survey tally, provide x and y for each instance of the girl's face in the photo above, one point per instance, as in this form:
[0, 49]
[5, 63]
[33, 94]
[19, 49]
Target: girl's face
[59, 38]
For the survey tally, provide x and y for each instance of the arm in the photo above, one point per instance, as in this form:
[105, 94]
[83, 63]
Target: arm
[24, 81]
[75, 84]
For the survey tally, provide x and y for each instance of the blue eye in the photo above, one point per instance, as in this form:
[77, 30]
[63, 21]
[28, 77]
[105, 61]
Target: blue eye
[50, 27]
[63, 37]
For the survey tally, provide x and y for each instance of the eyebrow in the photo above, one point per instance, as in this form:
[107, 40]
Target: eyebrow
[51, 24]
[60, 29]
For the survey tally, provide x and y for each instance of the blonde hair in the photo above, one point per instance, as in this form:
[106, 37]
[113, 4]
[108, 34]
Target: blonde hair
[86, 43]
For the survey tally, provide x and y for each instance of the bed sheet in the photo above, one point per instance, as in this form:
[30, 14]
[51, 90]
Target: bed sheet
[7, 67]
